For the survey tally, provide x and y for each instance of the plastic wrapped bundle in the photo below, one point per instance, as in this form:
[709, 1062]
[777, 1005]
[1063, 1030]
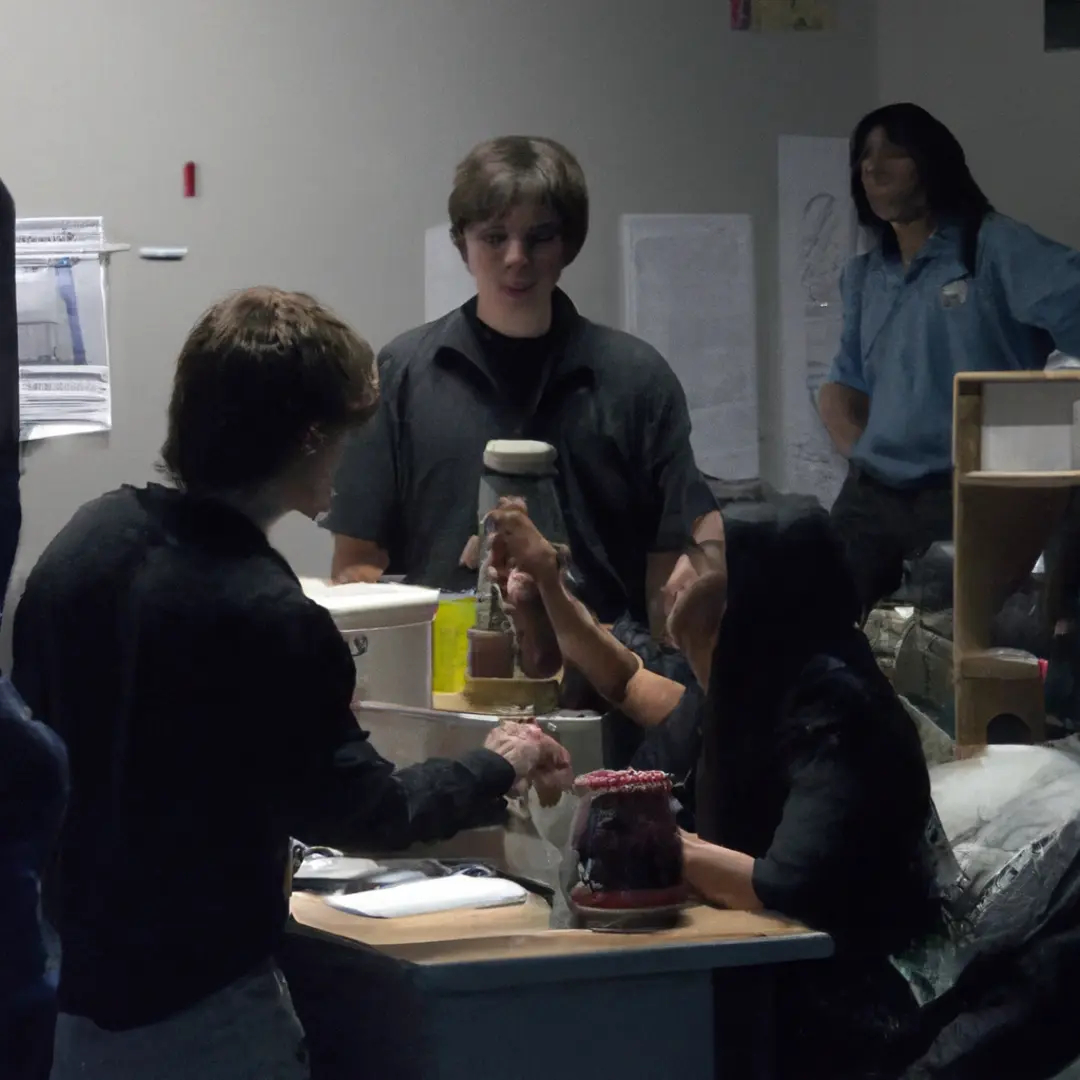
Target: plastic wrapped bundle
[627, 851]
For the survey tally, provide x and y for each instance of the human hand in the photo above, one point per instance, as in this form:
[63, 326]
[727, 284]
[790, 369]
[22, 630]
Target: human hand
[701, 560]
[682, 576]
[520, 589]
[537, 758]
[471, 553]
[692, 848]
[512, 741]
[518, 545]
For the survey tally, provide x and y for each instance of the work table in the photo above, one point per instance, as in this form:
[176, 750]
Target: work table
[646, 999]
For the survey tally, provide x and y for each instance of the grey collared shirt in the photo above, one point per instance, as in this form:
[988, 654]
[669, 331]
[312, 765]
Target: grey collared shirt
[610, 405]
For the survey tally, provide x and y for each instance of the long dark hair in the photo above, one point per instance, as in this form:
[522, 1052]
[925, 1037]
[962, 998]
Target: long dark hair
[791, 596]
[951, 190]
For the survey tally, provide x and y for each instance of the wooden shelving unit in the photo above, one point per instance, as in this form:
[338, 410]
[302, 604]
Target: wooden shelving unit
[1004, 516]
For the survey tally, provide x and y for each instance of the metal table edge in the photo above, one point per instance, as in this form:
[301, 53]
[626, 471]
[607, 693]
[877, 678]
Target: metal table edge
[479, 975]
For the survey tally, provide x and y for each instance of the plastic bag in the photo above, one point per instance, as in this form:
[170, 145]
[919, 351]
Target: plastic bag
[1012, 816]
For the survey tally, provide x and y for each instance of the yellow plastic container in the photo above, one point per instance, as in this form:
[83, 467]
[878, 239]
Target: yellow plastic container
[450, 643]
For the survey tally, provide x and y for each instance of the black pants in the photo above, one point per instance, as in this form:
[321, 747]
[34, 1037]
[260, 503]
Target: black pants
[362, 1014]
[26, 1041]
[881, 526]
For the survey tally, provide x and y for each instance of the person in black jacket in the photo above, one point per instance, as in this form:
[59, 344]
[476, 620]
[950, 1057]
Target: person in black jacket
[33, 762]
[10, 506]
[206, 705]
[812, 793]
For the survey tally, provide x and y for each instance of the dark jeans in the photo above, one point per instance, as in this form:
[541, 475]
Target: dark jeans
[26, 1041]
[881, 526]
[362, 1014]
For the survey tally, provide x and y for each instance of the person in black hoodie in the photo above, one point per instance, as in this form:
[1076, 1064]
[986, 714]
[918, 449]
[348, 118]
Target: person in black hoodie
[206, 707]
[10, 505]
[812, 793]
[33, 762]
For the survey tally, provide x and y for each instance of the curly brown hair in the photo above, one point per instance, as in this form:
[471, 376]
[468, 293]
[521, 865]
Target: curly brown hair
[263, 374]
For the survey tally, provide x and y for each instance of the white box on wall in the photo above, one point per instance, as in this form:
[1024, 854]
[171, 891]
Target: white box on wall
[688, 290]
[1029, 426]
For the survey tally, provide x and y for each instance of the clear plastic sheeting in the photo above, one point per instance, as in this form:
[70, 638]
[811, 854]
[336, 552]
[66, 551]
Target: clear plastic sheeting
[534, 841]
[1012, 816]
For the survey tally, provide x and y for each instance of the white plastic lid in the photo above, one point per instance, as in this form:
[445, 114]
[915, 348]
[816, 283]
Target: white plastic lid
[372, 606]
[519, 457]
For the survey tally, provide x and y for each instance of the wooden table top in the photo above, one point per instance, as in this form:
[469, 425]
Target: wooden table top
[521, 932]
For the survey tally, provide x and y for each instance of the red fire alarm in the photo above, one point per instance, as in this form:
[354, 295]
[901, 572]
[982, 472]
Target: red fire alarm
[189, 180]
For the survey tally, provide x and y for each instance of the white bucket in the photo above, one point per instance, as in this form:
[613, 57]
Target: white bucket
[387, 627]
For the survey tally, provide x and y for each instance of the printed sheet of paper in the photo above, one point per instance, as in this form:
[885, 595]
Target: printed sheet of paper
[818, 234]
[61, 301]
[778, 15]
[688, 290]
[447, 281]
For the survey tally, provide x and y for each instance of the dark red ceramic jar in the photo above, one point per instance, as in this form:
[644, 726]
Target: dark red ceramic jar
[627, 843]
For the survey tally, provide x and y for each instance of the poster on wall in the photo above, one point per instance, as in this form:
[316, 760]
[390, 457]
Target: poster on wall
[61, 299]
[688, 290]
[772, 16]
[818, 234]
[447, 281]
[1062, 24]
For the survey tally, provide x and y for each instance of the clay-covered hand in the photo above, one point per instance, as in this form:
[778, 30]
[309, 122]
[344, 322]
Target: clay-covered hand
[538, 760]
[517, 545]
[554, 772]
[514, 742]
[471, 553]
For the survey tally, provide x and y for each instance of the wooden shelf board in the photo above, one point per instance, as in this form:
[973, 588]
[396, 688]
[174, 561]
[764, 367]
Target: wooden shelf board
[965, 380]
[985, 478]
[990, 664]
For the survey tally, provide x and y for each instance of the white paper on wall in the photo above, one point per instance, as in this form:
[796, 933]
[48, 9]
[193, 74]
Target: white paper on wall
[818, 234]
[61, 296]
[688, 290]
[447, 281]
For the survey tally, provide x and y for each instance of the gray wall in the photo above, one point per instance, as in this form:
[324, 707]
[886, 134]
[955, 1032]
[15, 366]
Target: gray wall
[980, 66]
[326, 133]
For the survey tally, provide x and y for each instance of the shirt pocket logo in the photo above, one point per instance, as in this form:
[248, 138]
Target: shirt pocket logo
[954, 294]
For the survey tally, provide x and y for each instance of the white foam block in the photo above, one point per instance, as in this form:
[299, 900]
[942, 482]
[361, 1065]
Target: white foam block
[435, 894]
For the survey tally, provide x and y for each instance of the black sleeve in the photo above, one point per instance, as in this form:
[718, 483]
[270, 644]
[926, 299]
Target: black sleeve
[682, 493]
[9, 333]
[10, 517]
[341, 792]
[28, 666]
[367, 495]
[10, 514]
[675, 745]
[855, 813]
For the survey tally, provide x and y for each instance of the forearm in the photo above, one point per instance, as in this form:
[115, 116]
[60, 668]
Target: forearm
[720, 875]
[605, 662]
[357, 560]
[709, 527]
[362, 803]
[844, 412]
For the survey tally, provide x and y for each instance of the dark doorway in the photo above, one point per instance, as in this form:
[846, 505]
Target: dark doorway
[1062, 24]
